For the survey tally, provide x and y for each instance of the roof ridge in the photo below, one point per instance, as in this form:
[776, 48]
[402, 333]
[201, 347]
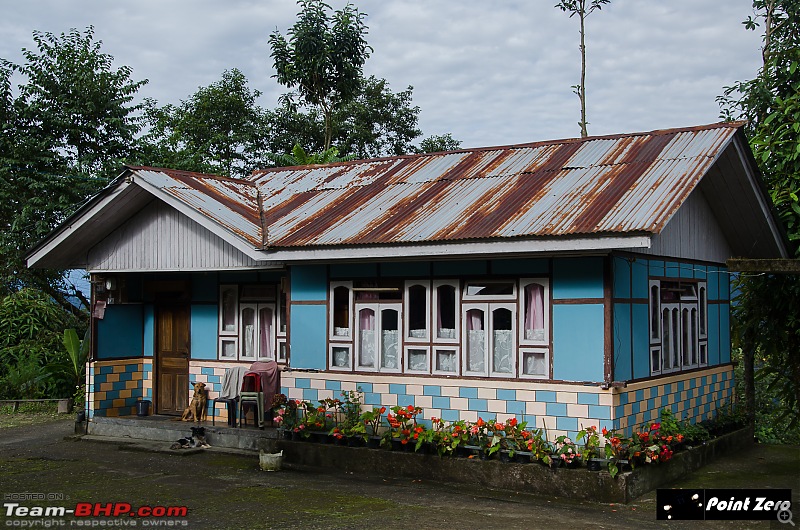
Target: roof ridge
[539, 143]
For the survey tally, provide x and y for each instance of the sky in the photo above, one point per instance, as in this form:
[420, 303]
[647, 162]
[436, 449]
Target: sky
[489, 72]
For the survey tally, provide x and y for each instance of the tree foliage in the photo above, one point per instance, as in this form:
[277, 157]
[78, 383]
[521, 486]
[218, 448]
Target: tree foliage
[437, 143]
[65, 131]
[323, 57]
[767, 310]
[220, 129]
[300, 157]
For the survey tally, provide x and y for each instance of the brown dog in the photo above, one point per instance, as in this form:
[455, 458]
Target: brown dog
[197, 408]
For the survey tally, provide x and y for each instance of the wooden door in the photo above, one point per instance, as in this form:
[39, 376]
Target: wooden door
[172, 358]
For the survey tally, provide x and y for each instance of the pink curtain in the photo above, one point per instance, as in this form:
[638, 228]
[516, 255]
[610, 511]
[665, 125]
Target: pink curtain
[265, 339]
[366, 319]
[534, 306]
[474, 320]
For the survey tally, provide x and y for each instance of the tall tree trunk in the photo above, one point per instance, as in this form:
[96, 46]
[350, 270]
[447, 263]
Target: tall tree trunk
[582, 88]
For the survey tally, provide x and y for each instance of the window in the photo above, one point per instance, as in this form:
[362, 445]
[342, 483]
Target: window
[378, 337]
[481, 328]
[490, 289]
[534, 319]
[446, 309]
[417, 307]
[228, 309]
[677, 325]
[490, 347]
[252, 323]
[257, 337]
[342, 303]
[417, 361]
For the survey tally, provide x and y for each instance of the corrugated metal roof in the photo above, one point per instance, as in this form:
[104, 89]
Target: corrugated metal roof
[617, 184]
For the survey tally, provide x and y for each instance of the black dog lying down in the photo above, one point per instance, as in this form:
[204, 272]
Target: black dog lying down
[196, 439]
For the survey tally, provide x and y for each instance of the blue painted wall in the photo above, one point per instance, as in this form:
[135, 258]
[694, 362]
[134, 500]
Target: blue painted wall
[406, 269]
[578, 278]
[641, 341]
[578, 342]
[149, 335]
[455, 268]
[120, 332]
[623, 369]
[623, 270]
[205, 287]
[724, 333]
[309, 331]
[521, 267]
[354, 270]
[204, 331]
[309, 283]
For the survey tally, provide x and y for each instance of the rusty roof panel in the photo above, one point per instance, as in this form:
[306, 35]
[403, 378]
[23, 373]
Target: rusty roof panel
[230, 203]
[616, 184]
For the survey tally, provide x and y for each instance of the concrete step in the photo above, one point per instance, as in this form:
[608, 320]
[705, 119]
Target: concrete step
[163, 429]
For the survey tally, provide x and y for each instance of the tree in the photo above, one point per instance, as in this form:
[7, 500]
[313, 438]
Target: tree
[376, 122]
[219, 129]
[578, 7]
[64, 134]
[300, 157]
[323, 57]
[438, 143]
[767, 310]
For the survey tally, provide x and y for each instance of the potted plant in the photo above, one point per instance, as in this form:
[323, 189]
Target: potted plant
[566, 451]
[372, 421]
[539, 448]
[403, 433]
[592, 454]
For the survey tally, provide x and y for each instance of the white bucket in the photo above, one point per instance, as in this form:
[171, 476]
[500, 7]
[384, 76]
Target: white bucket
[270, 461]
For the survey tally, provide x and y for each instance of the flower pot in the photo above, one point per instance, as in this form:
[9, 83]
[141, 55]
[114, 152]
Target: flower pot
[270, 462]
[355, 441]
[523, 457]
[320, 437]
[505, 457]
[596, 464]
[374, 442]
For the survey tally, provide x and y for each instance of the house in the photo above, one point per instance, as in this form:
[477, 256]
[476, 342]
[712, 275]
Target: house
[567, 283]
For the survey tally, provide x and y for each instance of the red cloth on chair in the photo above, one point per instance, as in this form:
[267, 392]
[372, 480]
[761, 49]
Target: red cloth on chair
[270, 377]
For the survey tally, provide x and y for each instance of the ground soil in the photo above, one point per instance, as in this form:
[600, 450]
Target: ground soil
[225, 491]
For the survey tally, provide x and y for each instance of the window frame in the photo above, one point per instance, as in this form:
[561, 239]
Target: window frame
[523, 350]
[484, 297]
[435, 339]
[350, 311]
[378, 308]
[523, 283]
[426, 284]
[674, 341]
[488, 309]
[457, 356]
[407, 357]
[349, 347]
[220, 315]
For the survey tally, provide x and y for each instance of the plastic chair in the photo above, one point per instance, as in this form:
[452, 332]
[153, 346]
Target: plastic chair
[229, 381]
[251, 396]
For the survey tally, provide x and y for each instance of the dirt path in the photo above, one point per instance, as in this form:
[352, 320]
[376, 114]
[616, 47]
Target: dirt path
[225, 491]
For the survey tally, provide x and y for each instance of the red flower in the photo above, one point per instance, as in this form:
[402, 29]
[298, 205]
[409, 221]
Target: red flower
[605, 431]
[410, 408]
[512, 422]
[383, 409]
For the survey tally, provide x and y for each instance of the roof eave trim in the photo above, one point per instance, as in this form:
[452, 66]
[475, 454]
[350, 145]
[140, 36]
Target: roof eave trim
[760, 192]
[459, 249]
[76, 221]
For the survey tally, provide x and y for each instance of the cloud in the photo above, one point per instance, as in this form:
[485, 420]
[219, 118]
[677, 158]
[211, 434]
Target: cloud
[490, 73]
